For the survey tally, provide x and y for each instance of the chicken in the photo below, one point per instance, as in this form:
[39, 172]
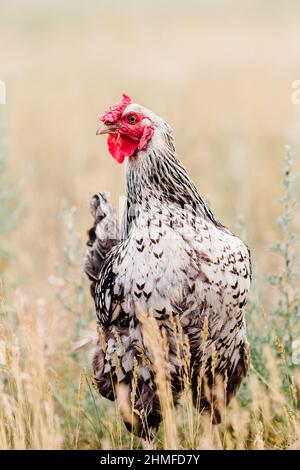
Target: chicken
[172, 260]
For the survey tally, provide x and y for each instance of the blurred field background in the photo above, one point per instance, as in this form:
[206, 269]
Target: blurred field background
[221, 74]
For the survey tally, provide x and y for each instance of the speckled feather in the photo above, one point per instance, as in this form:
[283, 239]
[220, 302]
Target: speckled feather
[173, 259]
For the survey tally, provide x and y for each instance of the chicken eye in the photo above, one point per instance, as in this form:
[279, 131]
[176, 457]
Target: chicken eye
[131, 118]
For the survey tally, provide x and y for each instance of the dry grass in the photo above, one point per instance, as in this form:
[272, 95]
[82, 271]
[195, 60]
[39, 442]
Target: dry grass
[37, 413]
[27, 406]
[222, 78]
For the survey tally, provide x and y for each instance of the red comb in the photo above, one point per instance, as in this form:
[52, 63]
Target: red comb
[115, 111]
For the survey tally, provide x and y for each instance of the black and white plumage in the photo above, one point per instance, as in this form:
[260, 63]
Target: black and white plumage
[172, 258]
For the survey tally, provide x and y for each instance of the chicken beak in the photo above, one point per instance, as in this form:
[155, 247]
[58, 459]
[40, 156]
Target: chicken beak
[105, 129]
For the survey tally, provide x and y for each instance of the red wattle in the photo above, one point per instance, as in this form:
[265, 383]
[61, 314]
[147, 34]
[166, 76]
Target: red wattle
[121, 146]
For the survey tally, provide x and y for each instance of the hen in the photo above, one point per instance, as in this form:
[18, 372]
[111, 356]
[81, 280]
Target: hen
[172, 260]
